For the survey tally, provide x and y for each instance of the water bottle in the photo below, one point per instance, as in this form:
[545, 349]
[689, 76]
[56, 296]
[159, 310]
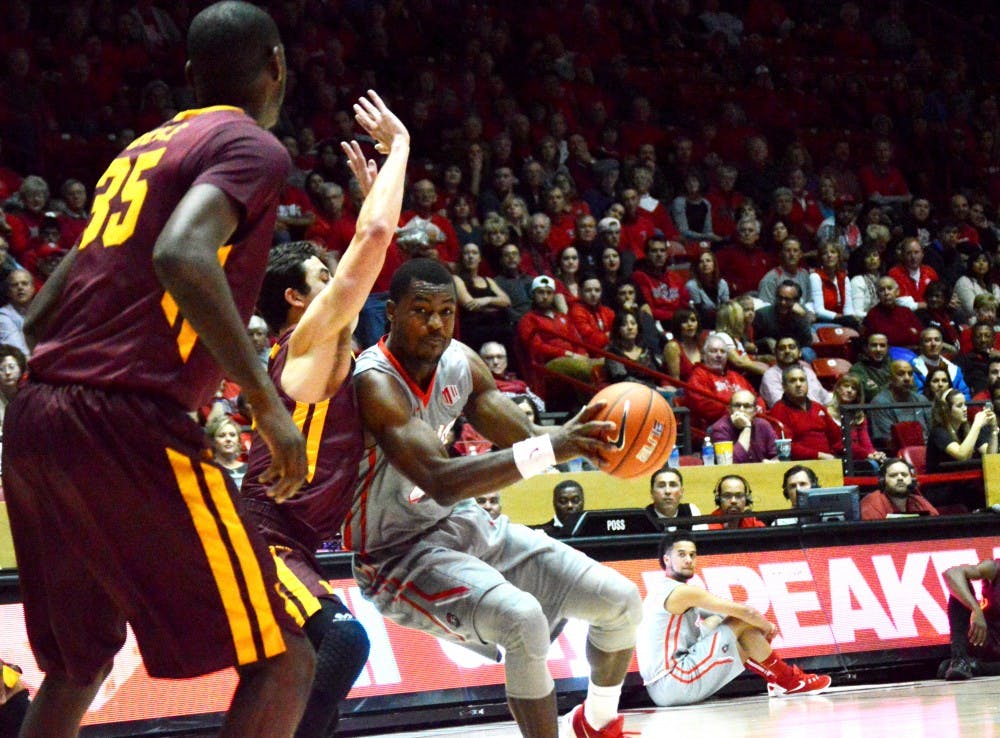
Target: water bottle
[675, 458]
[708, 452]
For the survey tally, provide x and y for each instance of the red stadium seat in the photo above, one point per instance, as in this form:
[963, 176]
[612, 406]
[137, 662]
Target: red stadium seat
[916, 456]
[828, 371]
[839, 342]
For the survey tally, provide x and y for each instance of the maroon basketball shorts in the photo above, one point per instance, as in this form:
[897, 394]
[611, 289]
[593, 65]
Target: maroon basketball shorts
[118, 516]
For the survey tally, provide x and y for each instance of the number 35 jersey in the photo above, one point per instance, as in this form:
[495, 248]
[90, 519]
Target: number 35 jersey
[114, 326]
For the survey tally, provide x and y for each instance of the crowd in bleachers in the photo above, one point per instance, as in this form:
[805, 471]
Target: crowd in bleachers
[704, 195]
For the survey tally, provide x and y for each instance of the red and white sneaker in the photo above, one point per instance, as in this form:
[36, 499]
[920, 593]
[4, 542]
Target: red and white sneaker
[575, 725]
[798, 683]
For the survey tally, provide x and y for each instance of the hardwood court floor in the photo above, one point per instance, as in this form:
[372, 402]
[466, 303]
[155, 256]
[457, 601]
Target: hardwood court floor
[930, 709]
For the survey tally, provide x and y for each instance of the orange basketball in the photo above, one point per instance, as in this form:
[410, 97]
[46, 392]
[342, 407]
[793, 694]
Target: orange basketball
[645, 429]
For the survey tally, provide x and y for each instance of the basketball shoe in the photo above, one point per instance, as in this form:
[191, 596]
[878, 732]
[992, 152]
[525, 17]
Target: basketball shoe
[797, 682]
[575, 725]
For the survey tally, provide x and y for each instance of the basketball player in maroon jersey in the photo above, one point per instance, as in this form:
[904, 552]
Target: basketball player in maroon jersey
[118, 518]
[314, 314]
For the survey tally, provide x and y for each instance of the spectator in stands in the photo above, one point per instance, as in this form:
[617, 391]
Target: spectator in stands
[842, 228]
[227, 448]
[930, 357]
[260, 337]
[789, 269]
[495, 357]
[872, 366]
[787, 354]
[897, 323]
[536, 253]
[841, 170]
[937, 383]
[881, 182]
[567, 274]
[897, 493]
[707, 289]
[786, 317]
[568, 503]
[940, 314]
[463, 220]
[974, 627]
[503, 184]
[731, 326]
[758, 177]
[733, 496]
[424, 198]
[744, 263]
[562, 221]
[753, 438]
[586, 242]
[515, 283]
[911, 275]
[666, 487]
[683, 349]
[514, 210]
[600, 197]
[654, 209]
[333, 228]
[20, 293]
[976, 281]
[847, 391]
[692, 212]
[901, 391]
[13, 367]
[549, 338]
[947, 255]
[626, 297]
[624, 335]
[813, 432]
[662, 289]
[952, 438]
[490, 502]
[25, 211]
[864, 281]
[830, 290]
[712, 384]
[636, 228]
[725, 200]
[975, 364]
[590, 316]
[483, 304]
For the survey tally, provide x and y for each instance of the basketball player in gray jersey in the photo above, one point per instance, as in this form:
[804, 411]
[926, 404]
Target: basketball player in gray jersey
[429, 558]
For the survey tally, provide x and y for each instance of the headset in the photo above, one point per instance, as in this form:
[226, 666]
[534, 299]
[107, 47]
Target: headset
[718, 489]
[897, 460]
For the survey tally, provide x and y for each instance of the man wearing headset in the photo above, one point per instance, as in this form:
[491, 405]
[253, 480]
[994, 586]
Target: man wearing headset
[796, 479]
[732, 497]
[897, 493]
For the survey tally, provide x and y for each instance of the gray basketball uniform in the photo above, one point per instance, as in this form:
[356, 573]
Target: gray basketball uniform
[681, 663]
[427, 566]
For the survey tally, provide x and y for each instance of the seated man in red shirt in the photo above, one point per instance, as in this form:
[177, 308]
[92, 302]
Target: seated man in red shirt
[732, 497]
[911, 274]
[549, 338]
[712, 384]
[897, 493]
[814, 434]
[897, 323]
[494, 355]
[592, 318]
[662, 288]
[744, 263]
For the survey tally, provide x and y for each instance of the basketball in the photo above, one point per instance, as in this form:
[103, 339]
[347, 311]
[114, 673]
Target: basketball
[645, 429]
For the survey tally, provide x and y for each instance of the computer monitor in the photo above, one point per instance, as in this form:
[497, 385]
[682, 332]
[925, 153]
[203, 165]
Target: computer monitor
[833, 503]
[628, 521]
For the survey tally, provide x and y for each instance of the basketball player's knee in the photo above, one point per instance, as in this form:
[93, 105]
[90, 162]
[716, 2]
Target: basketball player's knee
[616, 614]
[342, 648]
[515, 621]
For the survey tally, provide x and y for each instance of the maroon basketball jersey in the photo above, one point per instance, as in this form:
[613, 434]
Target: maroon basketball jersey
[114, 326]
[334, 447]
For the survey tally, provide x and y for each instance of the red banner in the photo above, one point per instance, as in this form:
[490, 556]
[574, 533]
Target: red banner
[824, 600]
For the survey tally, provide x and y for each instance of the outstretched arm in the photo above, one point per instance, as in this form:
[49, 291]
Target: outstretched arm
[414, 448]
[319, 348]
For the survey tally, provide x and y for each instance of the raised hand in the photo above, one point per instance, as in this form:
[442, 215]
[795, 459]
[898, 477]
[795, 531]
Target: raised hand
[364, 171]
[380, 122]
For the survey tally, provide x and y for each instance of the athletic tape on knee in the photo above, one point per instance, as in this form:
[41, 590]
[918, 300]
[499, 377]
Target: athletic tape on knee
[610, 603]
[514, 619]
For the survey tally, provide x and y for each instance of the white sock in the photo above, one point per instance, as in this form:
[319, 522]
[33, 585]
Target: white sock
[601, 706]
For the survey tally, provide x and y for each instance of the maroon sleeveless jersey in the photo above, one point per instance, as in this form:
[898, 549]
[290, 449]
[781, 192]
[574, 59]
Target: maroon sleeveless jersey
[114, 327]
[334, 447]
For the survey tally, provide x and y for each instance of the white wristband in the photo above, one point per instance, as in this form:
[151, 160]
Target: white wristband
[534, 455]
